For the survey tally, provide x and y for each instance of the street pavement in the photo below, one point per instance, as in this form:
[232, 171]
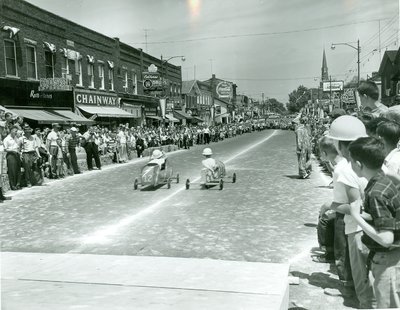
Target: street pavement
[268, 215]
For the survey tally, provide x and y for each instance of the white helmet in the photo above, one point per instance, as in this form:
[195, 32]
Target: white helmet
[207, 151]
[347, 128]
[156, 154]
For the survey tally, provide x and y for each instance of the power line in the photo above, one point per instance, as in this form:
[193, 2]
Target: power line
[261, 33]
[383, 30]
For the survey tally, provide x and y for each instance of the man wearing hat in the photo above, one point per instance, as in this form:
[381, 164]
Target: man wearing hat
[72, 141]
[303, 150]
[92, 148]
[51, 144]
[30, 152]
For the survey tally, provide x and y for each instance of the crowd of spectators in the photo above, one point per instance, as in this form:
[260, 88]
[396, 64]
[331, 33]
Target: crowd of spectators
[33, 154]
[359, 229]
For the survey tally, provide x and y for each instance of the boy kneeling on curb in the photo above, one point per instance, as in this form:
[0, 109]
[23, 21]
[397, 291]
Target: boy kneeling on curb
[382, 232]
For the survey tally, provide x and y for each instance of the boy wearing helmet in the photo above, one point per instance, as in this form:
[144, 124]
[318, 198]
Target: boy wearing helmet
[211, 168]
[350, 253]
[158, 157]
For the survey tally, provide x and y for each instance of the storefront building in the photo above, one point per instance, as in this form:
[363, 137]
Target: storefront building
[48, 62]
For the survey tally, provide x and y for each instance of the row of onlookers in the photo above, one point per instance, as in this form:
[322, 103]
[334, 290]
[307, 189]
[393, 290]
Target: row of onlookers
[359, 229]
[31, 154]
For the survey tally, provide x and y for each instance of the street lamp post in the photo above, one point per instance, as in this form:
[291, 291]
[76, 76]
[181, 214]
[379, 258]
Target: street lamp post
[163, 62]
[333, 46]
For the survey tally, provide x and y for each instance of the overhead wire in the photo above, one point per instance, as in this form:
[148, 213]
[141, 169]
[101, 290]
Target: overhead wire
[260, 33]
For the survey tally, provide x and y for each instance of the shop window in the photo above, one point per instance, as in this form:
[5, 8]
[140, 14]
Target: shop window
[31, 62]
[10, 58]
[101, 76]
[79, 73]
[49, 64]
[91, 74]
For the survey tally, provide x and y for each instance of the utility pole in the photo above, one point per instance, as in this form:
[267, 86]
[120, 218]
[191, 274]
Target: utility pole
[380, 53]
[330, 89]
[358, 62]
[262, 103]
[146, 30]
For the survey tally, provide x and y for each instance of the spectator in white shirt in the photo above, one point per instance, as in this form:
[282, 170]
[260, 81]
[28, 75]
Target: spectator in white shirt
[12, 147]
[389, 132]
[52, 146]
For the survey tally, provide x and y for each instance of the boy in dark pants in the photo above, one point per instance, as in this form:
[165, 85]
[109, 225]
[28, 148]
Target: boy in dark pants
[380, 222]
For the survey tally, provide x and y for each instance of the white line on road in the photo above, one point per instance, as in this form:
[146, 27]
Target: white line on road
[103, 235]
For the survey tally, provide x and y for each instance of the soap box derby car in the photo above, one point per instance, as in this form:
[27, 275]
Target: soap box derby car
[153, 176]
[213, 178]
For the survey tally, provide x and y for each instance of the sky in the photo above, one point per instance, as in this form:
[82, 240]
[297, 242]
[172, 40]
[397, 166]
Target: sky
[264, 46]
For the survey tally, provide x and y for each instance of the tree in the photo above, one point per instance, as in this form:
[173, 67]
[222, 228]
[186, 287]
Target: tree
[276, 106]
[298, 98]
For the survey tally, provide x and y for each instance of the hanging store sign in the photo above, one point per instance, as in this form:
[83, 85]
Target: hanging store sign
[224, 89]
[54, 84]
[332, 86]
[152, 81]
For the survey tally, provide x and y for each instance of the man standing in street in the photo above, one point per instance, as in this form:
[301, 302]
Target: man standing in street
[12, 147]
[72, 141]
[30, 153]
[139, 146]
[52, 147]
[92, 148]
[303, 143]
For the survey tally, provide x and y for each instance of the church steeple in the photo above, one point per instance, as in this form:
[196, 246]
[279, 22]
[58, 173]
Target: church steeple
[324, 69]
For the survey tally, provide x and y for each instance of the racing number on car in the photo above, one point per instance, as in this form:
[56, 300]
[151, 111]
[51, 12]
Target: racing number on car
[147, 177]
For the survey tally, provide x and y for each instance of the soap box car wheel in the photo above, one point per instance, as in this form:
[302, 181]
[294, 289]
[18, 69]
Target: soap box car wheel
[187, 184]
[221, 184]
[135, 184]
[234, 178]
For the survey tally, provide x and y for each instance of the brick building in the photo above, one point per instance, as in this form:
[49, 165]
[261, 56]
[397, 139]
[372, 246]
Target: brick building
[52, 69]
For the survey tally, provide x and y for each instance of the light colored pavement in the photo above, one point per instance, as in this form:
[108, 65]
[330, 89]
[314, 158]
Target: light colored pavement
[86, 281]
[269, 215]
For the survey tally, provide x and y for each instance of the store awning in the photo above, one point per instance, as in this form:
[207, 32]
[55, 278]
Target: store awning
[154, 117]
[197, 119]
[171, 118]
[42, 117]
[181, 115]
[73, 117]
[105, 111]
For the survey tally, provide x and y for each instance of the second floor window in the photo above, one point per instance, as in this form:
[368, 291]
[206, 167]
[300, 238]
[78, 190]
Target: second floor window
[65, 68]
[49, 64]
[101, 76]
[134, 82]
[79, 73]
[111, 78]
[91, 75]
[31, 62]
[126, 80]
[10, 58]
